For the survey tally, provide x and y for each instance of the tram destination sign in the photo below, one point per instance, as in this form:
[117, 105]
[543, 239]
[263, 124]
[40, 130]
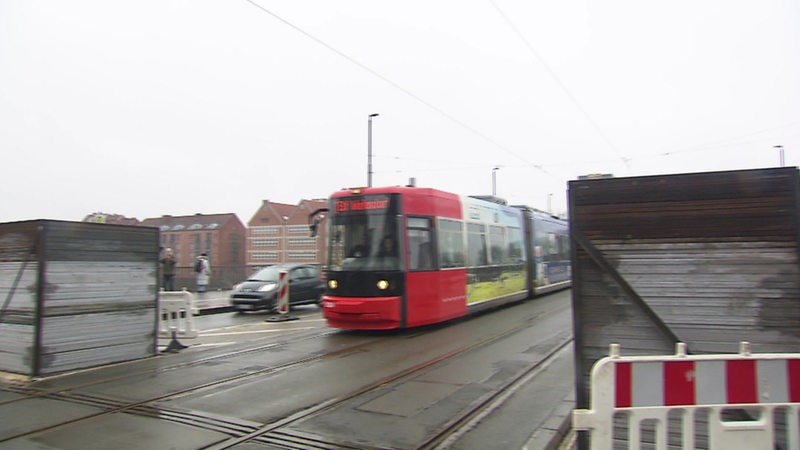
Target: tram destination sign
[361, 204]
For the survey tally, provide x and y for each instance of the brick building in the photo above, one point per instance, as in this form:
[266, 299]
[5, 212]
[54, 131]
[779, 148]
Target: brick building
[221, 236]
[279, 232]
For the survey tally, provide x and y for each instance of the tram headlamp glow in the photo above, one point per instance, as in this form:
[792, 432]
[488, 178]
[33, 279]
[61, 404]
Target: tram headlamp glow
[383, 285]
[333, 284]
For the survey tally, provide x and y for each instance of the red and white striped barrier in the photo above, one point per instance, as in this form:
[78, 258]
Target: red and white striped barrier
[701, 388]
[283, 292]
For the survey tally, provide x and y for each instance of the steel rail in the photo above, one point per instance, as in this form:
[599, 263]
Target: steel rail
[272, 432]
[244, 431]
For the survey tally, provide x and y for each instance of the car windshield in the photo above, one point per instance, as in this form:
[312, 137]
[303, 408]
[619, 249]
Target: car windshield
[267, 274]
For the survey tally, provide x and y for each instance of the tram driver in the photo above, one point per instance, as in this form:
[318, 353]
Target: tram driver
[360, 250]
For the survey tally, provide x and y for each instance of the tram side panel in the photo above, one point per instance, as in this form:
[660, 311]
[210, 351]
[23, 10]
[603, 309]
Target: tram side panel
[494, 254]
[458, 255]
[433, 226]
[551, 254]
[435, 296]
[547, 246]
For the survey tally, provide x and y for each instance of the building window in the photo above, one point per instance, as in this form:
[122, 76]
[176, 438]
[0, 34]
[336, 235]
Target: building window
[257, 231]
[302, 242]
[263, 243]
[263, 257]
[303, 255]
[299, 229]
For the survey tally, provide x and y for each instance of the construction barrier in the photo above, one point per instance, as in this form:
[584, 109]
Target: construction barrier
[718, 402]
[283, 292]
[175, 317]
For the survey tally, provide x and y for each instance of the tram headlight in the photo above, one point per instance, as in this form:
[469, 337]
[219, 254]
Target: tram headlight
[333, 284]
[383, 285]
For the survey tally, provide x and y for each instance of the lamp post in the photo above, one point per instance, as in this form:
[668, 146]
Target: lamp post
[780, 153]
[494, 180]
[369, 148]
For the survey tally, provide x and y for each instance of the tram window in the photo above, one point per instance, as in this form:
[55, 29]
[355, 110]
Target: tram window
[476, 245]
[515, 248]
[552, 243]
[420, 244]
[543, 240]
[498, 249]
[451, 243]
[564, 245]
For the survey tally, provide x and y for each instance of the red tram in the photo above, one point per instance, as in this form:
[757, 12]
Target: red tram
[401, 257]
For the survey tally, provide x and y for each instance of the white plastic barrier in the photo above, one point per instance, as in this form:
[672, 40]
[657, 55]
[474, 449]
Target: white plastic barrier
[175, 314]
[719, 402]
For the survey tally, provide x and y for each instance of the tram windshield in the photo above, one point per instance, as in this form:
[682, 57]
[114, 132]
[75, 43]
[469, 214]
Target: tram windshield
[364, 234]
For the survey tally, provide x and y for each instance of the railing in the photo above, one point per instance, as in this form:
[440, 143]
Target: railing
[222, 277]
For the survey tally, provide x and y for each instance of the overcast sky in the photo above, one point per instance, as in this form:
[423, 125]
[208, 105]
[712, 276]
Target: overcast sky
[177, 107]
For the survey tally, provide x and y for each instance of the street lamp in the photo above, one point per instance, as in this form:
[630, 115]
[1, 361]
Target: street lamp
[369, 148]
[494, 180]
[780, 152]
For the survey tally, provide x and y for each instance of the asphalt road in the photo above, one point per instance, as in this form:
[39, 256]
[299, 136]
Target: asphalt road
[245, 374]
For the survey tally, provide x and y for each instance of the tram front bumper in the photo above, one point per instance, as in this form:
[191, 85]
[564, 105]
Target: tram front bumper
[375, 313]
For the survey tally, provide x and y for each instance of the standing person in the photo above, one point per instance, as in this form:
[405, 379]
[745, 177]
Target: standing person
[203, 269]
[168, 263]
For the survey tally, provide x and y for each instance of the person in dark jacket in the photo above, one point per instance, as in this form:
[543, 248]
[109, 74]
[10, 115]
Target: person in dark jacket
[168, 263]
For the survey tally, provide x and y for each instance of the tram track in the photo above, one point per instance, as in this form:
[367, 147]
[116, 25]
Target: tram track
[144, 407]
[465, 422]
[277, 433]
[32, 390]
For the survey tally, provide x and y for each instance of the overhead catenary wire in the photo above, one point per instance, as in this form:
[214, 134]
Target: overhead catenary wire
[560, 83]
[543, 168]
[391, 82]
[721, 144]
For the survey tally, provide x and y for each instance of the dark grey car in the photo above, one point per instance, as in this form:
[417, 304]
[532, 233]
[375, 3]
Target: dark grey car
[260, 291]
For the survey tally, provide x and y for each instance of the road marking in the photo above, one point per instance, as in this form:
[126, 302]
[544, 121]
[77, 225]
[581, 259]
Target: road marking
[255, 331]
[253, 323]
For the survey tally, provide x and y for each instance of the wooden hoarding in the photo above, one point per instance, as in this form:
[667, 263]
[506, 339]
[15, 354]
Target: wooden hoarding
[709, 259]
[76, 295]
